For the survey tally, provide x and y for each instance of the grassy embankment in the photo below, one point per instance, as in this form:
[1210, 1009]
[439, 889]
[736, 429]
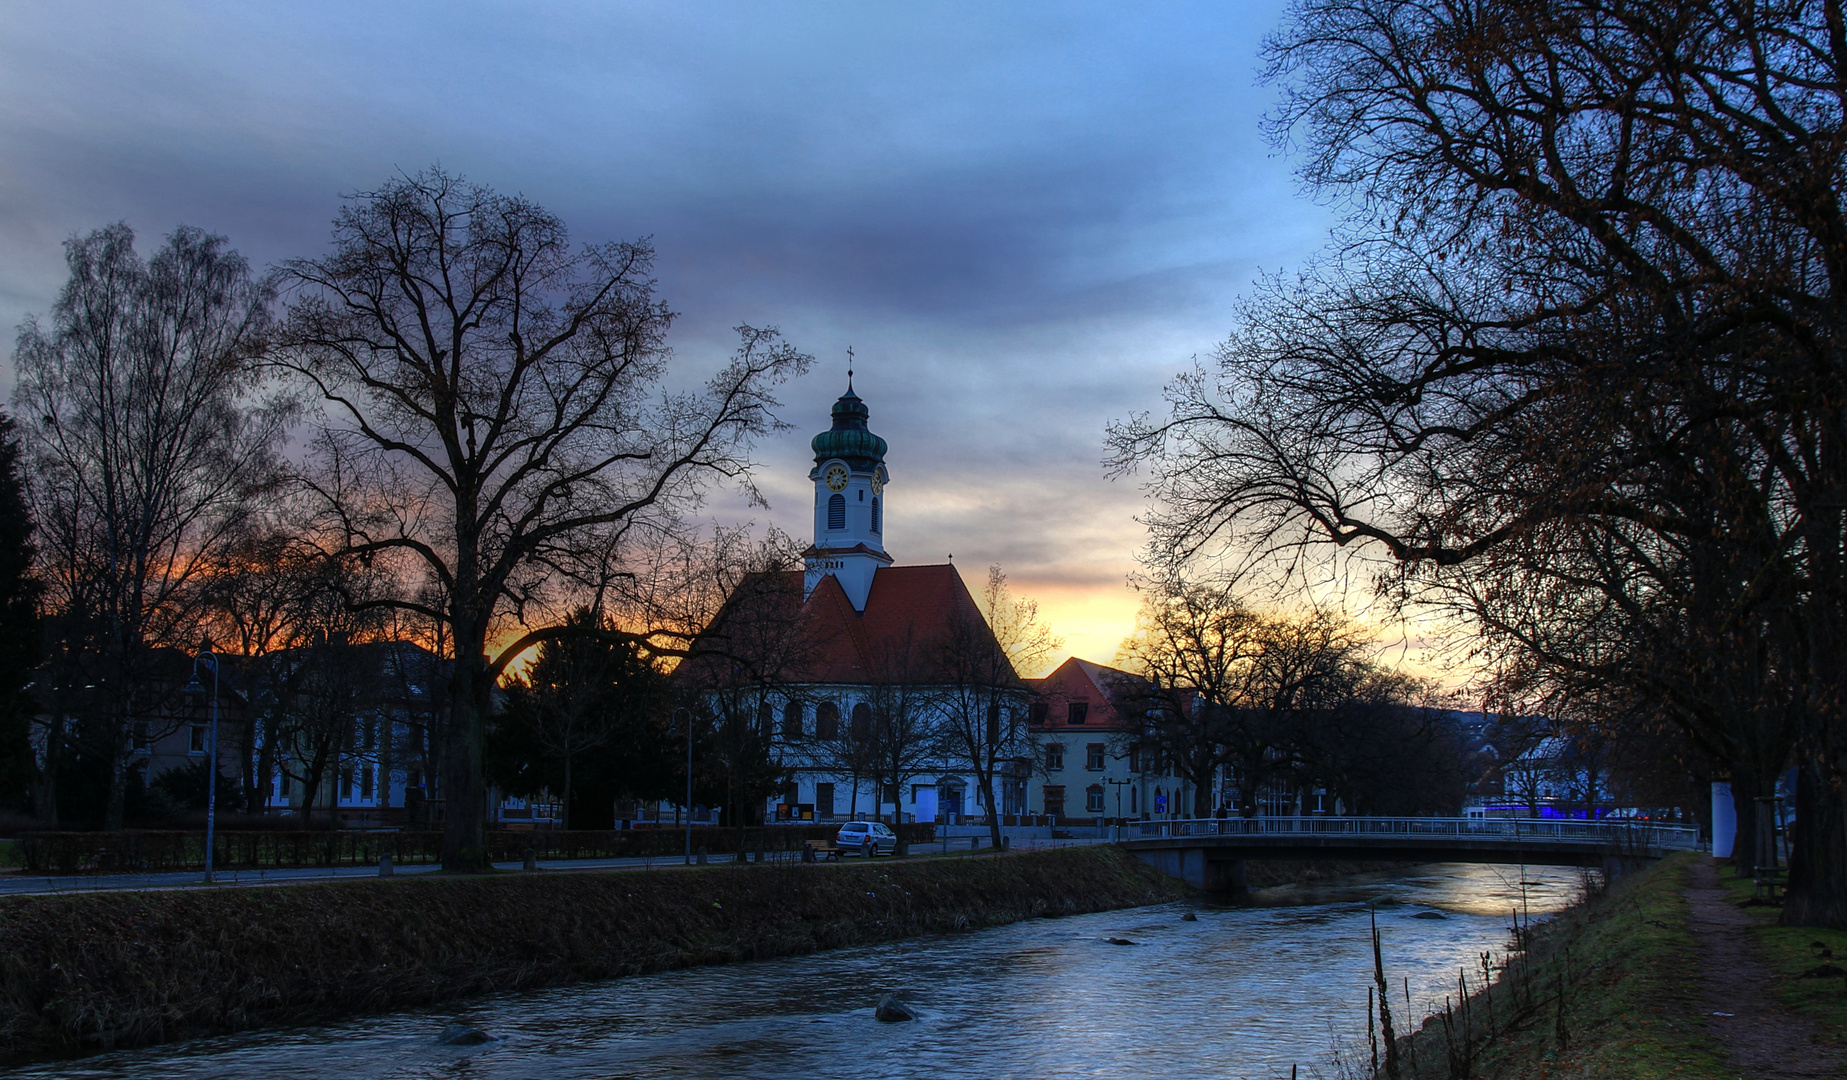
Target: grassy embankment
[112, 969]
[1626, 967]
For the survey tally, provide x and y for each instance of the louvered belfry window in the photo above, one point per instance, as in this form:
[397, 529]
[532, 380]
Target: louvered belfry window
[836, 512]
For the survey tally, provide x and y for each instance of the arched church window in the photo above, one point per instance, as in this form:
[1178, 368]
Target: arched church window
[836, 512]
[862, 721]
[875, 515]
[792, 720]
[827, 720]
[766, 716]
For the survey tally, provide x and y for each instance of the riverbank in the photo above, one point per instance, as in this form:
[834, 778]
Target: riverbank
[81, 973]
[1668, 973]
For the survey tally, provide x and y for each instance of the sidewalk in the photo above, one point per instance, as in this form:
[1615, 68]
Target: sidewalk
[19, 884]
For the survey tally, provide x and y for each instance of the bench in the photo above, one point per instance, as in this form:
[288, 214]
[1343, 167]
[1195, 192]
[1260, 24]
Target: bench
[815, 849]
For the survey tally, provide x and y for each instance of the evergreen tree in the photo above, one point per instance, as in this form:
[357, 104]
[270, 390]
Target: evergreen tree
[583, 725]
[19, 595]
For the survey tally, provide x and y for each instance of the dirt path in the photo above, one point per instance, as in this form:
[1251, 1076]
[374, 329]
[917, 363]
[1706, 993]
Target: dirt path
[1765, 1042]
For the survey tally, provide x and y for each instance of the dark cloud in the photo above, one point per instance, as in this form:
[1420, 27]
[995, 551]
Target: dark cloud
[1023, 217]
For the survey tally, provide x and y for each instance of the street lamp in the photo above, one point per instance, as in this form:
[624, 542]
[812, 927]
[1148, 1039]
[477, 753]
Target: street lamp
[211, 752]
[1118, 785]
[689, 780]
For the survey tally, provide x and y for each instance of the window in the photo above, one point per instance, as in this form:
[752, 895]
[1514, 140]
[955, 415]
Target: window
[1093, 799]
[862, 721]
[1077, 712]
[1054, 757]
[1133, 809]
[1054, 800]
[827, 720]
[1093, 757]
[766, 718]
[365, 782]
[993, 724]
[792, 720]
[198, 739]
[140, 735]
[1035, 715]
[1135, 759]
[875, 515]
[836, 512]
[823, 800]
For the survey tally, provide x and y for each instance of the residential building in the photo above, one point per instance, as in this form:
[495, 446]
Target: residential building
[1085, 720]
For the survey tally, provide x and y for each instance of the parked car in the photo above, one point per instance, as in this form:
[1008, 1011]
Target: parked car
[868, 838]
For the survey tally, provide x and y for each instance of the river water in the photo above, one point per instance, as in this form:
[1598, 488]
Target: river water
[1242, 992]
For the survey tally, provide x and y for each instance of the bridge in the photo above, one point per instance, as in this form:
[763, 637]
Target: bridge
[1210, 853]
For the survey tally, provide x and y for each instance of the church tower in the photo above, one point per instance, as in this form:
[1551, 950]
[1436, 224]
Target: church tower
[849, 503]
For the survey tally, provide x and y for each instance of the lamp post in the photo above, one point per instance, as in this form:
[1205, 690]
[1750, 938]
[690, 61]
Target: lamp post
[1118, 785]
[211, 752]
[689, 780]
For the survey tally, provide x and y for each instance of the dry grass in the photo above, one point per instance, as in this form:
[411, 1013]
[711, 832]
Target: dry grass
[104, 970]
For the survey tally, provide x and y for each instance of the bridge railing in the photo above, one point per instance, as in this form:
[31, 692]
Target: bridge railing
[1536, 830]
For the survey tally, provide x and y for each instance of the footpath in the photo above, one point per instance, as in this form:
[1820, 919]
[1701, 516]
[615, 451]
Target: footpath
[1745, 995]
[1672, 972]
[20, 883]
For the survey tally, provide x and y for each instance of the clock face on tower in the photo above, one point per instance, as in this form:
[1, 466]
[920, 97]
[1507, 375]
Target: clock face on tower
[878, 480]
[836, 477]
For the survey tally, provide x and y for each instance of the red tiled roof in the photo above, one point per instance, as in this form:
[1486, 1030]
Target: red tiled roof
[910, 618]
[1082, 680]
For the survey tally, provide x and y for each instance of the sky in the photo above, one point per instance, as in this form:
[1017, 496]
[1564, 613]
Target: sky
[1024, 219]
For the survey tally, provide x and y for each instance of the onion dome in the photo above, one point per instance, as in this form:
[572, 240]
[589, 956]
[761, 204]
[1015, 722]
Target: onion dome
[848, 439]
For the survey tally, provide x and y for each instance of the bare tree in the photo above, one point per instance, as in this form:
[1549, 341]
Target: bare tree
[151, 439]
[317, 682]
[256, 592]
[1227, 686]
[491, 413]
[984, 703]
[746, 662]
[901, 739]
[1586, 262]
[1193, 648]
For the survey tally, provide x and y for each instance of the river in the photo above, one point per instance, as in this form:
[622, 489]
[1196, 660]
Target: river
[1242, 992]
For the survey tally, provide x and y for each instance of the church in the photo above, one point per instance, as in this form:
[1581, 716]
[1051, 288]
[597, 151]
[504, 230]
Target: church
[883, 691]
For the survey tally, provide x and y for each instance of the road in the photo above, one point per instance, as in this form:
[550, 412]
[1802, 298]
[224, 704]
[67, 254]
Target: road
[20, 884]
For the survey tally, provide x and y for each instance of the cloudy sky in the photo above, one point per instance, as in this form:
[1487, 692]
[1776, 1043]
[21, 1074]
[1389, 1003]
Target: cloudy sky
[1023, 218]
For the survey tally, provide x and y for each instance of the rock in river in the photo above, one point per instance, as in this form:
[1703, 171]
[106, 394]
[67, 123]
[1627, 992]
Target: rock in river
[1189, 917]
[1429, 915]
[891, 1010]
[1120, 941]
[463, 1035]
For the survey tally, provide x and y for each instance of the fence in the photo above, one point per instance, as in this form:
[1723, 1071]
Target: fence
[158, 851]
[1537, 830]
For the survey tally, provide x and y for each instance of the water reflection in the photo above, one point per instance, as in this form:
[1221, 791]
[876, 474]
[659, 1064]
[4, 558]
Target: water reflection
[1242, 992]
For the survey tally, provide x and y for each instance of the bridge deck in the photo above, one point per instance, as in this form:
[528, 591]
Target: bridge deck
[1210, 852]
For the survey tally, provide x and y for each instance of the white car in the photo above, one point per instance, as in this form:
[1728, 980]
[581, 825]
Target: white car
[868, 838]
